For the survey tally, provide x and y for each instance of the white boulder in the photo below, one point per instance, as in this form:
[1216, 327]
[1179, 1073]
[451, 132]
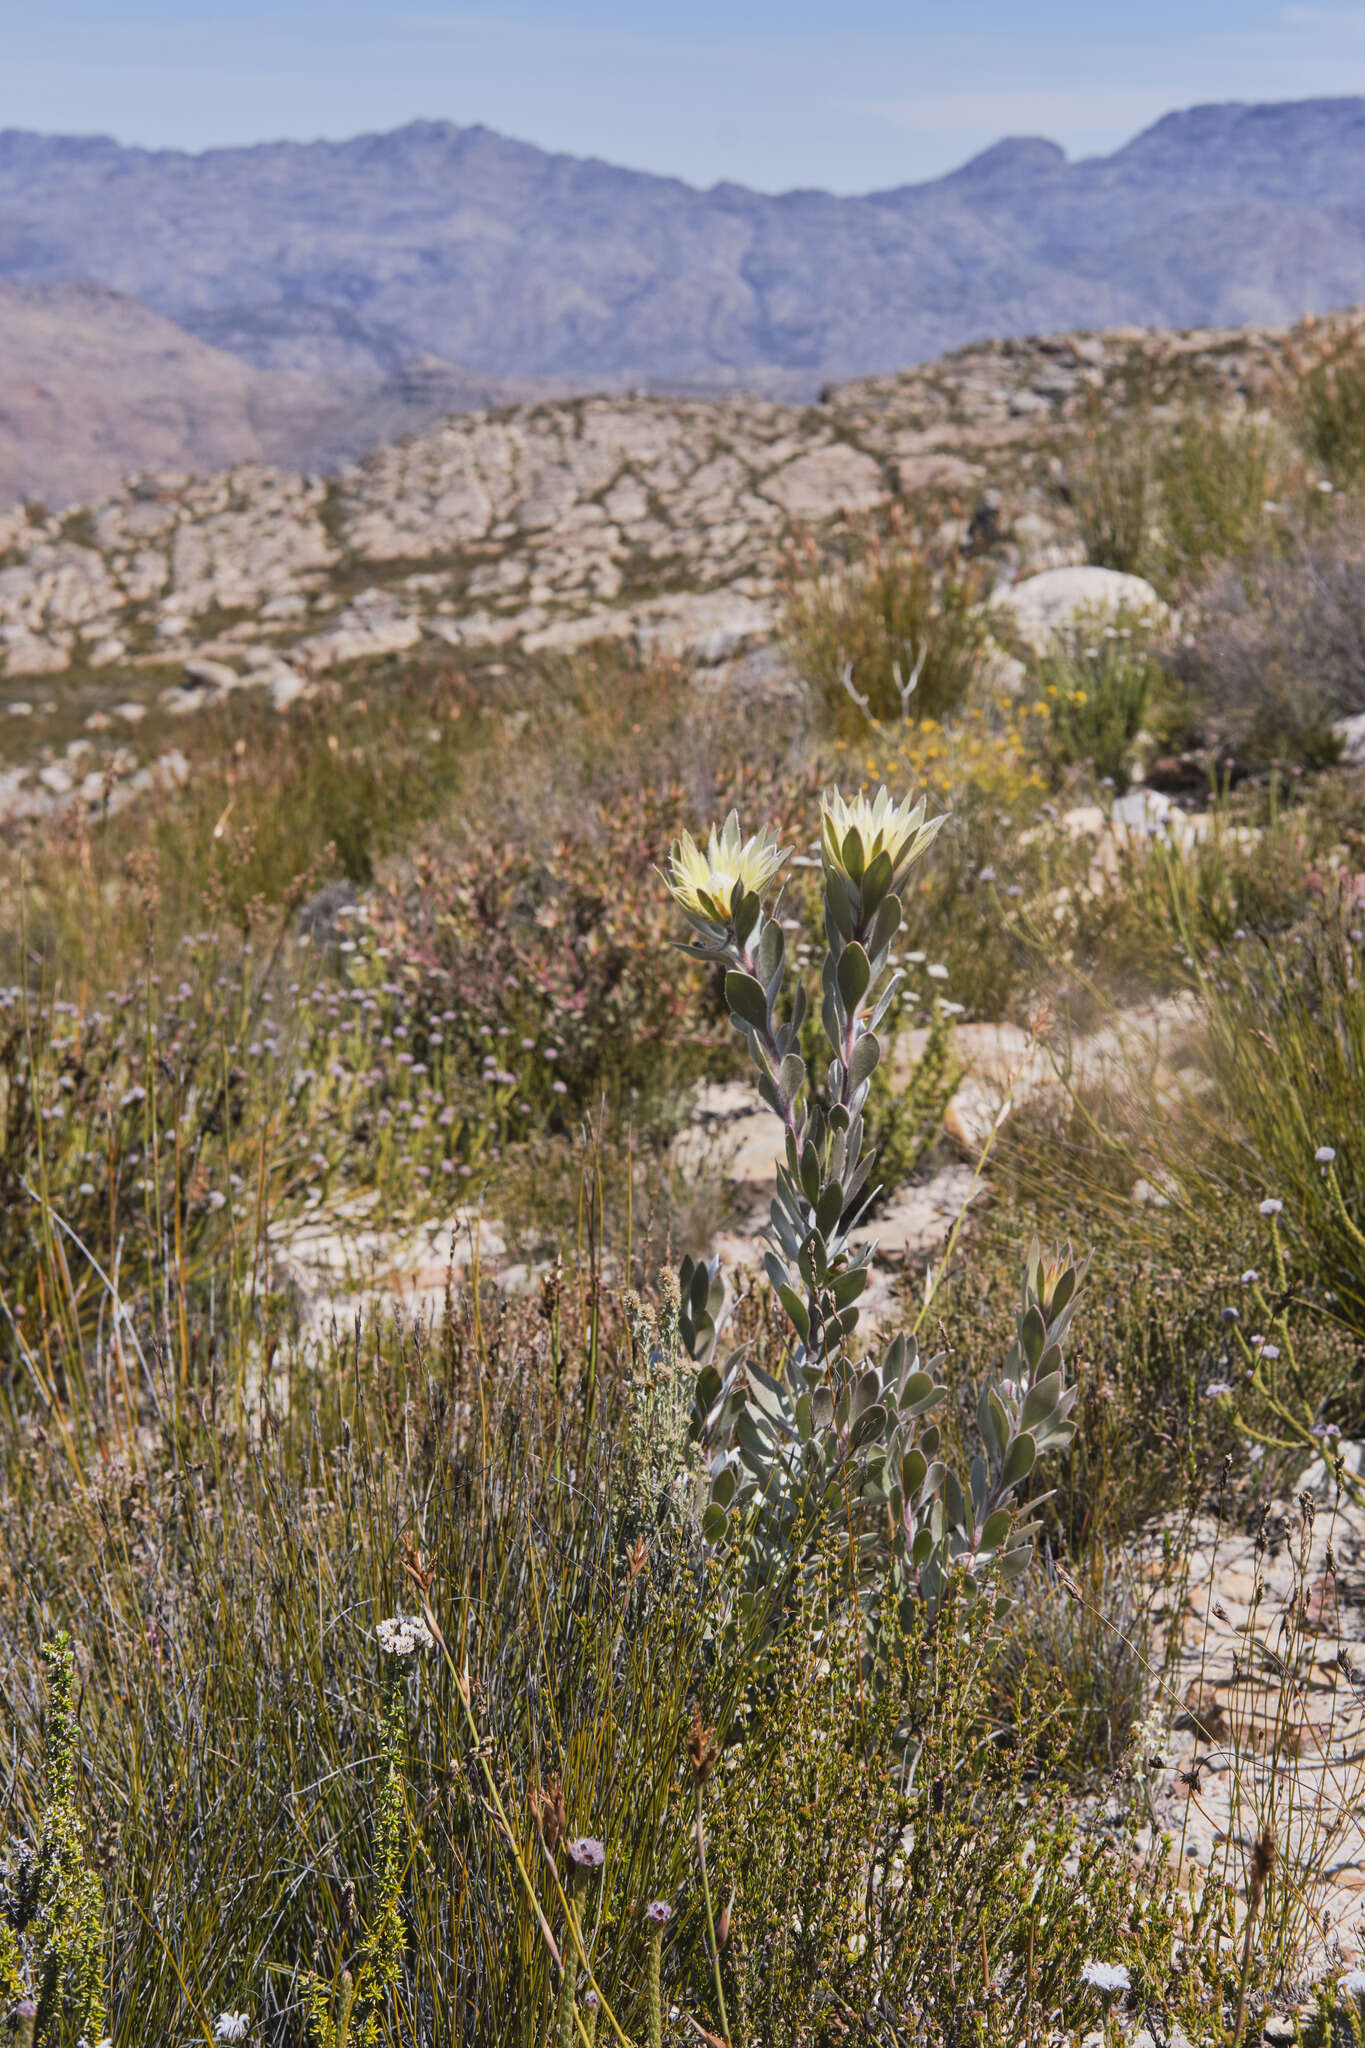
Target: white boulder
[1048, 605]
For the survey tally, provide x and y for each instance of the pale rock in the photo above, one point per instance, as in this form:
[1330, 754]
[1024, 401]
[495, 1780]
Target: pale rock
[373, 624]
[707, 625]
[1003, 672]
[211, 675]
[1351, 733]
[920, 1216]
[1048, 605]
[1321, 1479]
[104, 652]
[286, 686]
[567, 635]
[825, 481]
[1142, 811]
[31, 657]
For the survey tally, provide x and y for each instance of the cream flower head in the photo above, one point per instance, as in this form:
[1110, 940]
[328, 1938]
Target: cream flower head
[900, 830]
[702, 879]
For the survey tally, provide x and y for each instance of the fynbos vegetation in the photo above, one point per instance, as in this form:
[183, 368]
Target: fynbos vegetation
[624, 1427]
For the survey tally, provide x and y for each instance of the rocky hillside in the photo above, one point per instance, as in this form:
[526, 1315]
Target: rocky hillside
[521, 535]
[355, 257]
[93, 385]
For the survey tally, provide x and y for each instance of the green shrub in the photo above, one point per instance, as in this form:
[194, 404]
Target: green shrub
[1331, 408]
[1097, 685]
[1161, 498]
[1286, 1046]
[1214, 475]
[887, 636]
[1112, 488]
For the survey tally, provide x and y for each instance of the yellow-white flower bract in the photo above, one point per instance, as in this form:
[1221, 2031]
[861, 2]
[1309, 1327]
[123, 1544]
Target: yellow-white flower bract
[900, 830]
[702, 879]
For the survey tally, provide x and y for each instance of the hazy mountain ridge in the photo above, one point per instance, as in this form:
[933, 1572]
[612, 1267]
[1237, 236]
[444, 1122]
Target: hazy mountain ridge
[354, 257]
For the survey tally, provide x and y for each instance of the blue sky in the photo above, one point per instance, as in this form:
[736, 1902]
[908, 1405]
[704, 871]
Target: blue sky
[773, 93]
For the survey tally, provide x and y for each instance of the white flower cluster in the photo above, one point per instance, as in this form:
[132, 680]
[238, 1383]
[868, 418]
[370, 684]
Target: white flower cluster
[230, 2026]
[1106, 1978]
[401, 1634]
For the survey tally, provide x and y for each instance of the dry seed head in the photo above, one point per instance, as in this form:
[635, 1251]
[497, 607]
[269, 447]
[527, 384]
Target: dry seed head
[702, 1748]
[1262, 1863]
[423, 1576]
[548, 1811]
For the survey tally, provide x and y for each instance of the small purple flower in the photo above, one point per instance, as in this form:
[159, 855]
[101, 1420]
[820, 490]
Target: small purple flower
[1271, 1207]
[26, 2009]
[659, 1911]
[1325, 1154]
[587, 1853]
[1216, 1389]
[1250, 1277]
[1232, 1315]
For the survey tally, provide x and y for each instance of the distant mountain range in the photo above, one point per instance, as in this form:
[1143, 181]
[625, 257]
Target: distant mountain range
[348, 261]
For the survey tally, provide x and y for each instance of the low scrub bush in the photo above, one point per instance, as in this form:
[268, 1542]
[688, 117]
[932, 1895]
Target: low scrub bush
[1164, 498]
[538, 972]
[1286, 1047]
[1214, 476]
[1329, 407]
[1273, 651]
[1111, 485]
[887, 636]
[1097, 684]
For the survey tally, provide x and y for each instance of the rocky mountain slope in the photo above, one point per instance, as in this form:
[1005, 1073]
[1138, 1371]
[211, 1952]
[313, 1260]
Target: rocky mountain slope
[355, 257]
[93, 385]
[520, 536]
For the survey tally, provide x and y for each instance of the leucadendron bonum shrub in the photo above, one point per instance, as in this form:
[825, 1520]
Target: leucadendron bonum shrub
[830, 1433]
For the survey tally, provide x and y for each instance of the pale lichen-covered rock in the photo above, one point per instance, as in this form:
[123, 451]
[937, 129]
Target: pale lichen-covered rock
[826, 481]
[707, 625]
[372, 624]
[1048, 605]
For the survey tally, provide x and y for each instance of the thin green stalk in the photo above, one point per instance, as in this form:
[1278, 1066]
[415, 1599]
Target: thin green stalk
[711, 1921]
